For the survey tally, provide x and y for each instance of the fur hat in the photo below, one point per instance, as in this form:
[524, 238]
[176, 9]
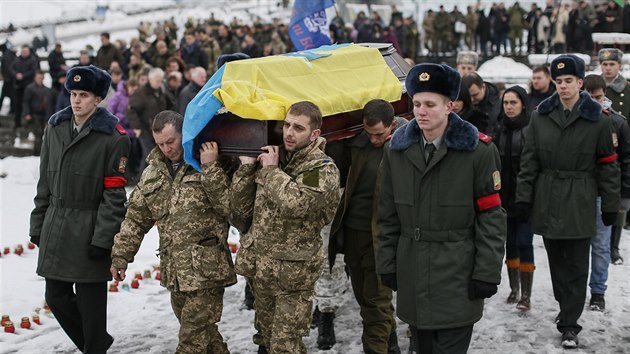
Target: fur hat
[567, 64]
[88, 78]
[610, 54]
[438, 78]
[224, 58]
[467, 57]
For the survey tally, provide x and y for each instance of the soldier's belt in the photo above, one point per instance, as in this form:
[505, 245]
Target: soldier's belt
[74, 204]
[437, 235]
[568, 174]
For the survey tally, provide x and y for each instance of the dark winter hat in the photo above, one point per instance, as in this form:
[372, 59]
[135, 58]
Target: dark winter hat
[610, 54]
[438, 78]
[88, 78]
[567, 64]
[224, 58]
[467, 57]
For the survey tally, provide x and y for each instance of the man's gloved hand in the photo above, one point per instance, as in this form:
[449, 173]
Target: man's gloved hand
[609, 218]
[478, 289]
[35, 240]
[522, 211]
[95, 252]
[389, 280]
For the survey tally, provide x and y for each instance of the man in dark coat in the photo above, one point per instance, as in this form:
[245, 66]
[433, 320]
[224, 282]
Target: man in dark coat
[22, 73]
[56, 64]
[8, 56]
[107, 53]
[485, 98]
[541, 87]
[353, 230]
[37, 109]
[198, 77]
[191, 52]
[441, 227]
[79, 206]
[569, 156]
[618, 90]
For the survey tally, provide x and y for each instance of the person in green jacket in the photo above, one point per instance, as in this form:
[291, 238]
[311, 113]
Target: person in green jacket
[618, 90]
[79, 206]
[441, 227]
[569, 156]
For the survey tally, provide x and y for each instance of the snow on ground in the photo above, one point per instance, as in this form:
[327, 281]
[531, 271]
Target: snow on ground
[141, 320]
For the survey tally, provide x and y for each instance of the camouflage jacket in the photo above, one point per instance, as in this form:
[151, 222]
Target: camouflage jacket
[289, 205]
[190, 211]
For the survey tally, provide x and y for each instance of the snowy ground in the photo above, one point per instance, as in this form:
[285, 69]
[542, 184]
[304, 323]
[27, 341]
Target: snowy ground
[141, 320]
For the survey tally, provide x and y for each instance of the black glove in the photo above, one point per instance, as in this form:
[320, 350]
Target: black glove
[478, 289]
[389, 280]
[609, 218]
[35, 240]
[522, 211]
[95, 253]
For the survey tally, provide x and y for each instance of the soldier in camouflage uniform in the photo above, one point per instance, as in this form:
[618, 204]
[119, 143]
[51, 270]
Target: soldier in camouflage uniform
[190, 210]
[289, 198]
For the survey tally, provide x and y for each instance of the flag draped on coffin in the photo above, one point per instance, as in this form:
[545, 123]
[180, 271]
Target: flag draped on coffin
[308, 27]
[337, 78]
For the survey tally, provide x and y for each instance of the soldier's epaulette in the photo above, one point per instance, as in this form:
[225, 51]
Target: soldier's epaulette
[606, 111]
[485, 138]
[120, 129]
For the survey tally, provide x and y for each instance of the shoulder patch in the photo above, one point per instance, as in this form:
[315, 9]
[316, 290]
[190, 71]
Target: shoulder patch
[120, 129]
[311, 178]
[485, 138]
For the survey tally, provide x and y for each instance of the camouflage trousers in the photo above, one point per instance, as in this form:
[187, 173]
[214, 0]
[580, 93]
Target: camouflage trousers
[375, 299]
[284, 300]
[198, 313]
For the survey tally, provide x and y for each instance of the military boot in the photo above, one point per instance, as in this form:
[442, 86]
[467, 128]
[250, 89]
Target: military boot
[527, 278]
[262, 350]
[326, 331]
[392, 344]
[615, 237]
[513, 275]
[317, 318]
[249, 297]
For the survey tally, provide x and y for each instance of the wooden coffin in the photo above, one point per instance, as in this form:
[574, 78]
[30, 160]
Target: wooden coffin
[238, 136]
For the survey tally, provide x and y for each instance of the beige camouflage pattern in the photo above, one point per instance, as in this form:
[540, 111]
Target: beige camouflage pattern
[190, 211]
[282, 252]
[198, 313]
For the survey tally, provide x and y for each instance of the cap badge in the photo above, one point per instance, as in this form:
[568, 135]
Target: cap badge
[77, 78]
[560, 66]
[424, 76]
[606, 54]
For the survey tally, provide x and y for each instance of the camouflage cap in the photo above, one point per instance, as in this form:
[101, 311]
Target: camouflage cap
[610, 54]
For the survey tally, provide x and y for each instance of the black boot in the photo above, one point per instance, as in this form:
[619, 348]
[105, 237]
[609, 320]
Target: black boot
[262, 349]
[392, 344]
[527, 279]
[513, 275]
[326, 331]
[317, 318]
[615, 237]
[249, 297]
[413, 340]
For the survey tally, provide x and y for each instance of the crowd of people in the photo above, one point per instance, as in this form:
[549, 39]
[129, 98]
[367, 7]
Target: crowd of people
[430, 208]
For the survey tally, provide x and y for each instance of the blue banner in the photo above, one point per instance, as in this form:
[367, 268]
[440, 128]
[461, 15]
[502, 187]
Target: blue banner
[308, 26]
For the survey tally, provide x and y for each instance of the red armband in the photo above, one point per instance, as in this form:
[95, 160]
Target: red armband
[607, 159]
[488, 201]
[114, 182]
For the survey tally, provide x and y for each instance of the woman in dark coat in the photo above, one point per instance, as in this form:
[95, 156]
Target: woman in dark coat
[510, 140]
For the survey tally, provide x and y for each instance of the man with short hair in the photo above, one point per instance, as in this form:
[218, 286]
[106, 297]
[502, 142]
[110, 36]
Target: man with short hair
[289, 198]
[198, 78]
[605, 243]
[191, 52]
[618, 90]
[467, 61]
[107, 53]
[22, 74]
[485, 97]
[195, 261]
[441, 227]
[171, 89]
[37, 109]
[79, 206]
[353, 230]
[568, 158]
[541, 86]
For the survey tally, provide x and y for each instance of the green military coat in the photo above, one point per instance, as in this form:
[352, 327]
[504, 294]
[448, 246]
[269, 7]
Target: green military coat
[80, 196]
[565, 166]
[619, 93]
[441, 225]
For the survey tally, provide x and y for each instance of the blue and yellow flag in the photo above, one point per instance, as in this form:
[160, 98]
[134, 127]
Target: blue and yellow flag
[308, 27]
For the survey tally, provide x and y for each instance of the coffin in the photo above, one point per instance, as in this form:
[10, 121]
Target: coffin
[238, 136]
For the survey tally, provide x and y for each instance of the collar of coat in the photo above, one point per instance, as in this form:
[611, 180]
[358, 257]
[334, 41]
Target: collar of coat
[618, 84]
[459, 135]
[101, 121]
[588, 108]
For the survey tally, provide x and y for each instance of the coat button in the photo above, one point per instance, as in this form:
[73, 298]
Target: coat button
[621, 103]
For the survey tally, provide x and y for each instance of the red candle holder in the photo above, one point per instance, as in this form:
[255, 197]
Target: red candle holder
[5, 319]
[7, 250]
[31, 246]
[158, 276]
[19, 250]
[26, 323]
[113, 288]
[135, 284]
[138, 276]
[36, 319]
[9, 328]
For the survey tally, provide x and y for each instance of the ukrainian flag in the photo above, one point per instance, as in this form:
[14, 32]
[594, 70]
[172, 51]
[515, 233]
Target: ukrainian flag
[337, 78]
